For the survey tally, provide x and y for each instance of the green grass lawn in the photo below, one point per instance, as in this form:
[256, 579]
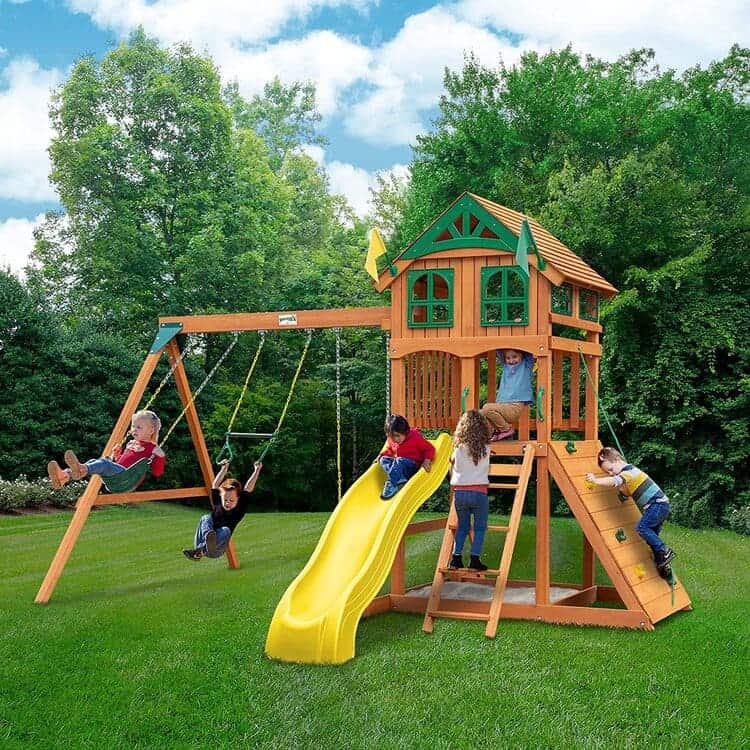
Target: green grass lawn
[140, 648]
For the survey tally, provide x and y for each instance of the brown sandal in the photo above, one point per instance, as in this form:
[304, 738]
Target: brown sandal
[77, 469]
[57, 476]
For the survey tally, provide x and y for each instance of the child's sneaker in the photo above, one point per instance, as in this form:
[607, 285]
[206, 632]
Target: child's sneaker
[192, 554]
[456, 562]
[57, 476]
[211, 543]
[389, 490]
[77, 469]
[501, 434]
[476, 564]
[667, 556]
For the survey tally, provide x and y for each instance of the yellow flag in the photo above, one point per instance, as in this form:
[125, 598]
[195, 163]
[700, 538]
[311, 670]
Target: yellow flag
[376, 249]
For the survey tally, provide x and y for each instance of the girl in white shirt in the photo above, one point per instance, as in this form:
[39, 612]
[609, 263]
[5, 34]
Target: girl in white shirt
[470, 482]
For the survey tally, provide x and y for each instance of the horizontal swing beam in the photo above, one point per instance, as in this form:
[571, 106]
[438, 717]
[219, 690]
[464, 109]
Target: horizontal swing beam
[250, 434]
[349, 317]
[147, 496]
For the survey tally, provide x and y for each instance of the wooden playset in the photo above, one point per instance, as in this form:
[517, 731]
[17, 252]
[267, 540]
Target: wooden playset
[480, 278]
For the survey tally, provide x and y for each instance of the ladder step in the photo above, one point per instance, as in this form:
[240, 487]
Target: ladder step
[458, 615]
[505, 470]
[498, 528]
[497, 486]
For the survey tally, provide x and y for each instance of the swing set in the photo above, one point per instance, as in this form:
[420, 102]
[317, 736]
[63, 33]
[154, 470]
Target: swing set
[122, 486]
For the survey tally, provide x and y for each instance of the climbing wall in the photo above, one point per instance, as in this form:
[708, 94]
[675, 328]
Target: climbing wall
[609, 525]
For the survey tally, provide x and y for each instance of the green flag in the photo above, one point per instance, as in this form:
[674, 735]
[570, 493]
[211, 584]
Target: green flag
[525, 243]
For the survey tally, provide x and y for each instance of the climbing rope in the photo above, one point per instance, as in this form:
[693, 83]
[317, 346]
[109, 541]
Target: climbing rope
[274, 437]
[599, 401]
[338, 410]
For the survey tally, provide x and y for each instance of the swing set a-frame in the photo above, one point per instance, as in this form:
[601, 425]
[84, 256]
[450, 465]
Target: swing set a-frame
[121, 485]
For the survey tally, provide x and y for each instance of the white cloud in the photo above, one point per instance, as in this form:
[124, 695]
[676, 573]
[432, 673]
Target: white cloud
[407, 74]
[25, 130]
[682, 32]
[16, 243]
[332, 62]
[206, 23]
[354, 183]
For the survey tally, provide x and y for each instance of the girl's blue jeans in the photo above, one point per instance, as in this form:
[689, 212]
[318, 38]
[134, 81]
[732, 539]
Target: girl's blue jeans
[223, 534]
[104, 467]
[398, 470]
[471, 503]
[650, 525]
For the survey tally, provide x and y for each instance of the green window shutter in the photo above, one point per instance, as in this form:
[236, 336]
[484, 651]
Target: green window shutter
[588, 308]
[562, 299]
[505, 296]
[430, 300]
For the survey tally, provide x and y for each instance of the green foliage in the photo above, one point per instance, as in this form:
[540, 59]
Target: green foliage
[645, 175]
[22, 493]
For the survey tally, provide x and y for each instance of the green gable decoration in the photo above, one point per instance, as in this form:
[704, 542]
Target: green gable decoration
[525, 242]
[464, 224]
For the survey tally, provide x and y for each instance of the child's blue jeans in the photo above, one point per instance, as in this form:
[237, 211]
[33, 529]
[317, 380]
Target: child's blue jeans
[223, 534]
[468, 503]
[650, 525]
[104, 467]
[399, 470]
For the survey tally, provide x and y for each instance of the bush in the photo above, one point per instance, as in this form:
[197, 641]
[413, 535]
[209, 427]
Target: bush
[23, 493]
[739, 519]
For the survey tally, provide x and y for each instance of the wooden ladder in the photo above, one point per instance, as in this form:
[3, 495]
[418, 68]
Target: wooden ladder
[442, 571]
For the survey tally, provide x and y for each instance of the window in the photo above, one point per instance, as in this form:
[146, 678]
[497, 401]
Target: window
[430, 298]
[588, 308]
[562, 299]
[505, 298]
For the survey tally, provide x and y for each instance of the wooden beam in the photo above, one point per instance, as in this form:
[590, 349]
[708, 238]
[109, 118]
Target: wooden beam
[88, 499]
[146, 496]
[349, 317]
[572, 322]
[572, 345]
[470, 346]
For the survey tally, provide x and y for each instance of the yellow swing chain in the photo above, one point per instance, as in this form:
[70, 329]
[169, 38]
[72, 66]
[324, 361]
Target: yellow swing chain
[289, 395]
[247, 380]
[200, 388]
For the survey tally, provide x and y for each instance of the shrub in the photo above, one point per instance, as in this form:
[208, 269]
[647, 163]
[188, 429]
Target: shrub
[24, 493]
[739, 519]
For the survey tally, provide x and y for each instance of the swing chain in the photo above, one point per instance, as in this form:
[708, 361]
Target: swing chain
[166, 378]
[200, 388]
[387, 374]
[338, 409]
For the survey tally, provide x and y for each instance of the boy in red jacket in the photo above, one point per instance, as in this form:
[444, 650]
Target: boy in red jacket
[406, 450]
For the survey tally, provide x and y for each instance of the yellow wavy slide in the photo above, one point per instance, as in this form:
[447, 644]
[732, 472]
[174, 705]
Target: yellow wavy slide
[316, 620]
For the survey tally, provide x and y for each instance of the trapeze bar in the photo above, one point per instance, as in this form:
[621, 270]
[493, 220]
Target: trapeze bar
[250, 434]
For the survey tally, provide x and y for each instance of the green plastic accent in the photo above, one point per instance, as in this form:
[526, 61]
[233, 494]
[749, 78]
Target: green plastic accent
[620, 535]
[166, 332]
[622, 497]
[504, 299]
[128, 480]
[562, 299]
[430, 302]
[464, 394]
[226, 448]
[539, 403]
[571, 447]
[464, 207]
[583, 312]
[394, 271]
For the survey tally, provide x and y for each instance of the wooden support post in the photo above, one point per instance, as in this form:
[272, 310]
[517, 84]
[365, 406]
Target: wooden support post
[196, 434]
[468, 373]
[544, 380]
[589, 564]
[87, 500]
[398, 387]
[398, 569]
[592, 405]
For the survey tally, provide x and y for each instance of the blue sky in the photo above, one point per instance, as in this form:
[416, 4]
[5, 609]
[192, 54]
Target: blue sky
[377, 65]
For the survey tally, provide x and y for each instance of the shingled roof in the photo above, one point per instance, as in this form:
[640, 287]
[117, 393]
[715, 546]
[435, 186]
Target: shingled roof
[561, 258]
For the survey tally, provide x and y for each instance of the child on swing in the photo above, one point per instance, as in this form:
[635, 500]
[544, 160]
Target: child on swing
[144, 428]
[229, 504]
[513, 394]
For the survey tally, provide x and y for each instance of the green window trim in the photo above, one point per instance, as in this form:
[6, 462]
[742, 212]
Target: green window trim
[428, 310]
[505, 308]
[588, 305]
[562, 299]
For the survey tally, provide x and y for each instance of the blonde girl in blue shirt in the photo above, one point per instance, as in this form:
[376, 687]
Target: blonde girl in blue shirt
[513, 395]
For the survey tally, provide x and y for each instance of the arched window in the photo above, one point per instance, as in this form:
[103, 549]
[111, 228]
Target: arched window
[430, 303]
[505, 296]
